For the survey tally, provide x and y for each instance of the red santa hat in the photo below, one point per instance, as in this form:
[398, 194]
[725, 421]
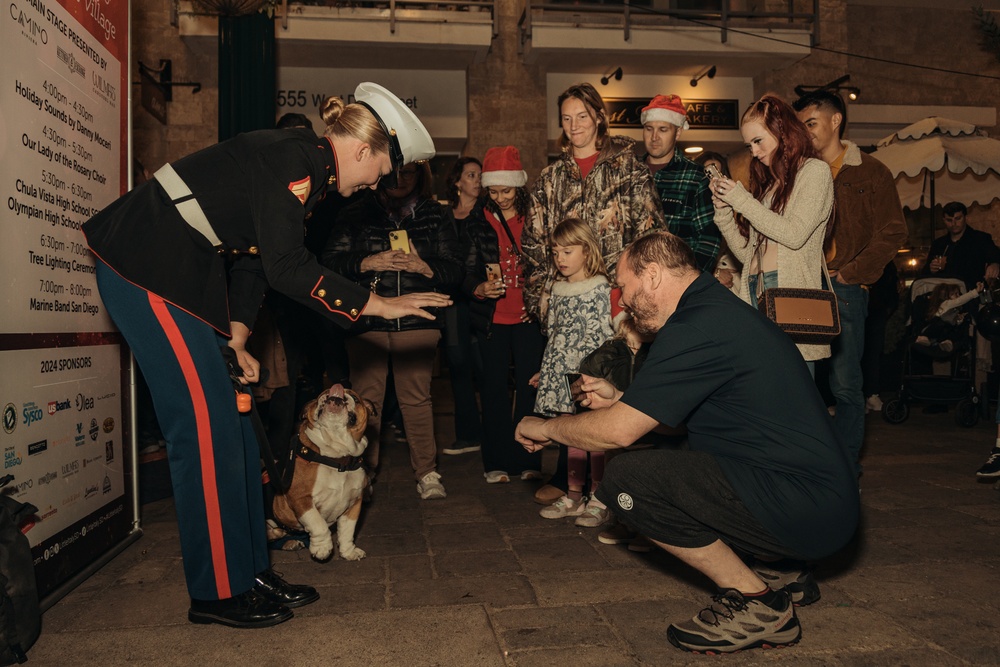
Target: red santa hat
[666, 108]
[502, 167]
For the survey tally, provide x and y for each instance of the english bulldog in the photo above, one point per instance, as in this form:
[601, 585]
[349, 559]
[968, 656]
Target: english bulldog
[329, 476]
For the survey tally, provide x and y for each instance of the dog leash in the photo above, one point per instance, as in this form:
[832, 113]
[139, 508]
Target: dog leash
[279, 473]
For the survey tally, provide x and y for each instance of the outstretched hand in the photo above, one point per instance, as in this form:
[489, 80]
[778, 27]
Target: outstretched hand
[408, 304]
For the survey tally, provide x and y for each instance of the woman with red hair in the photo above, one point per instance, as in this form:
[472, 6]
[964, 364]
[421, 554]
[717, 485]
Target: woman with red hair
[777, 228]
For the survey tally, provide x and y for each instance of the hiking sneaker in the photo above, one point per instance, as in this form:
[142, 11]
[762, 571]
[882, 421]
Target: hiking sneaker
[595, 515]
[734, 623]
[800, 584]
[430, 486]
[496, 477]
[992, 466]
[564, 507]
[461, 447]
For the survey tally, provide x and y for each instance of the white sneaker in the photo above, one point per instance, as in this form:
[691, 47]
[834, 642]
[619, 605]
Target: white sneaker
[873, 404]
[595, 515]
[430, 486]
[496, 477]
[562, 508]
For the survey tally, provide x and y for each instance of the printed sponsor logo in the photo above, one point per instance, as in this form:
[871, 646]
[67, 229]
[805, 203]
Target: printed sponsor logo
[83, 402]
[36, 447]
[92, 460]
[50, 512]
[109, 451]
[48, 477]
[93, 429]
[109, 425]
[23, 487]
[9, 417]
[106, 488]
[90, 491]
[56, 406]
[70, 469]
[79, 427]
[11, 458]
[70, 499]
[104, 397]
[31, 413]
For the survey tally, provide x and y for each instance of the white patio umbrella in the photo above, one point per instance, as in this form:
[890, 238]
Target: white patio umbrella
[937, 159]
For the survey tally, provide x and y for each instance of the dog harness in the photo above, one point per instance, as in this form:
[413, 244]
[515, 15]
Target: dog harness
[341, 463]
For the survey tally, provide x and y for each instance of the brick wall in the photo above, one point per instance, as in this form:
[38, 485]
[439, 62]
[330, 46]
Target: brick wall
[193, 119]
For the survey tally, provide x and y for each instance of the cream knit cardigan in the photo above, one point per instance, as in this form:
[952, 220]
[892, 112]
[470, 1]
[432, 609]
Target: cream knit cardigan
[799, 232]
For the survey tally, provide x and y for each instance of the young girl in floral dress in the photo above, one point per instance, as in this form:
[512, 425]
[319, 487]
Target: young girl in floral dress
[578, 320]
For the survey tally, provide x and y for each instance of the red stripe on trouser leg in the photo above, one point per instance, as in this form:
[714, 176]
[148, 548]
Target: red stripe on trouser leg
[205, 449]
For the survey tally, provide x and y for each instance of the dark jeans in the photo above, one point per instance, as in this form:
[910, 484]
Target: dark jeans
[524, 344]
[464, 364]
[845, 366]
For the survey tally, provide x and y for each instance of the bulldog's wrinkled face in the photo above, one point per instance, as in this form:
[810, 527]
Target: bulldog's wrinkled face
[338, 407]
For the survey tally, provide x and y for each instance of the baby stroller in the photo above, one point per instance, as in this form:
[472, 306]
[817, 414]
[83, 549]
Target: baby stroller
[936, 374]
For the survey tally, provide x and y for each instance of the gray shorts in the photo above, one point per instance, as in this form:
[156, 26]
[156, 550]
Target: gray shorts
[682, 498]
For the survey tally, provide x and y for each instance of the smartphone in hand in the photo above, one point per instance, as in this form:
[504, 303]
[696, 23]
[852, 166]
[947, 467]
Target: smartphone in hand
[713, 171]
[573, 379]
[398, 240]
[493, 272]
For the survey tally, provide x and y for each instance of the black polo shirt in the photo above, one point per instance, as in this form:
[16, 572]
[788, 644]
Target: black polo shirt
[741, 387]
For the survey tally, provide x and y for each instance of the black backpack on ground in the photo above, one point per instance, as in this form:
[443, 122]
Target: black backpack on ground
[20, 614]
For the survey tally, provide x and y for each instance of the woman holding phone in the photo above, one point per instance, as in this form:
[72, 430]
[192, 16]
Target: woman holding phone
[392, 242]
[494, 282]
[777, 229]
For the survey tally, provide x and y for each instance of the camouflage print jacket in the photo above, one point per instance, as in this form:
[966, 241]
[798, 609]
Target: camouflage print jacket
[618, 200]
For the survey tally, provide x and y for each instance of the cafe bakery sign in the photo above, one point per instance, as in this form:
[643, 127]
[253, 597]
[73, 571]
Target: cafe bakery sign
[701, 114]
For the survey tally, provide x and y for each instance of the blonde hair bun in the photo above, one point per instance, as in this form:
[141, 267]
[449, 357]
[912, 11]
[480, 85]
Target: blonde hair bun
[331, 109]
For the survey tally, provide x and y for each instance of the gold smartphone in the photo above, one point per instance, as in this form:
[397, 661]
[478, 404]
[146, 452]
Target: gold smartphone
[398, 240]
[712, 171]
[493, 273]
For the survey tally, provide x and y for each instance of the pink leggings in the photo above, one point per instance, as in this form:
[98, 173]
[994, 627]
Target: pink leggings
[576, 468]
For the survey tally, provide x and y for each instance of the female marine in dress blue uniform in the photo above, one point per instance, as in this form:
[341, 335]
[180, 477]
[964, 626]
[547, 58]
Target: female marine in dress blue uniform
[185, 260]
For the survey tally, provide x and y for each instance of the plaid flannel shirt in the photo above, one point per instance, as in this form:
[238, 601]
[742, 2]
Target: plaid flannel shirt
[687, 208]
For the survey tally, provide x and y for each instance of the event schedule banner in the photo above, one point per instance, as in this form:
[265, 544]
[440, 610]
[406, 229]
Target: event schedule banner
[63, 157]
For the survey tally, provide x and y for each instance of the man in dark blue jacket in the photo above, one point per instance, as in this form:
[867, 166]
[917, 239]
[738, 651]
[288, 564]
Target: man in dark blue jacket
[964, 253]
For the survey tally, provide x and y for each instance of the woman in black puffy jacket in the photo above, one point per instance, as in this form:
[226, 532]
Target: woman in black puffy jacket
[425, 260]
[505, 331]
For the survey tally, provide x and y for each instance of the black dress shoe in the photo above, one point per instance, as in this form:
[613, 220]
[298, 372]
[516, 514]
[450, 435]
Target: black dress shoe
[246, 610]
[274, 588]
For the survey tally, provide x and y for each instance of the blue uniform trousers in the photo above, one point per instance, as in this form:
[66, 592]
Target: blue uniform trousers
[212, 450]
